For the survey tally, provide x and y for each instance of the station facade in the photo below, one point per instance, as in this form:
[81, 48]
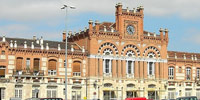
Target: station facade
[107, 61]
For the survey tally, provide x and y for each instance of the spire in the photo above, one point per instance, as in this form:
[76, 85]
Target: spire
[4, 39]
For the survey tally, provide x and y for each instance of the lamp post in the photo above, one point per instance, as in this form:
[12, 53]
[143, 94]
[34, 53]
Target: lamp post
[66, 7]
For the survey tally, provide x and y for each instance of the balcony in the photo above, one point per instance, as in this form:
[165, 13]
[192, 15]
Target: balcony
[28, 73]
[76, 74]
[170, 77]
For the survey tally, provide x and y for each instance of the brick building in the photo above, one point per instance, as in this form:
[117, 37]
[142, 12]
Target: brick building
[108, 60]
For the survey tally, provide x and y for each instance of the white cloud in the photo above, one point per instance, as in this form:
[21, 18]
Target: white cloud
[34, 10]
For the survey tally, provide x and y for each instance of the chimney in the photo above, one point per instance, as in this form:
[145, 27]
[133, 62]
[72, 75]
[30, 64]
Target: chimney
[37, 41]
[83, 49]
[41, 41]
[161, 33]
[119, 8]
[134, 10]
[127, 9]
[11, 43]
[85, 29]
[195, 57]
[34, 37]
[42, 47]
[25, 45]
[97, 26]
[15, 45]
[32, 45]
[4, 39]
[72, 48]
[64, 36]
[90, 25]
[175, 56]
[59, 47]
[112, 29]
[47, 46]
[184, 56]
[166, 34]
[104, 29]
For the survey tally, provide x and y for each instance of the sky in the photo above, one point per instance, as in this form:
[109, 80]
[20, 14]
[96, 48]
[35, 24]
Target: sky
[28, 18]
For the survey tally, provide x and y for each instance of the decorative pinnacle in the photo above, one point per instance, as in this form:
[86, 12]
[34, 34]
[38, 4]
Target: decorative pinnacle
[161, 30]
[96, 22]
[90, 21]
[166, 30]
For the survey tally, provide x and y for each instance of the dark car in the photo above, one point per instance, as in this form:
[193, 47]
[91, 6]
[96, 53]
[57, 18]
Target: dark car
[187, 98]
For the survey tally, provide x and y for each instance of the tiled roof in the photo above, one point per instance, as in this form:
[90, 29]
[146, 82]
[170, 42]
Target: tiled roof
[171, 54]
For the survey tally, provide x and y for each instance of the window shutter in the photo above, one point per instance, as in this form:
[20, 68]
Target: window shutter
[2, 72]
[52, 65]
[36, 64]
[19, 64]
[77, 67]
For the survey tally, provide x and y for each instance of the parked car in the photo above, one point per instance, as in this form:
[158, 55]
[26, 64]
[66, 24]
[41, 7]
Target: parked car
[137, 98]
[187, 98]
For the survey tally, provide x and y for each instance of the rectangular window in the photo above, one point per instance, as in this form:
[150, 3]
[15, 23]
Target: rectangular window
[171, 95]
[198, 93]
[180, 70]
[188, 93]
[2, 90]
[107, 62]
[171, 73]
[129, 67]
[18, 93]
[188, 73]
[151, 68]
[51, 93]
[28, 63]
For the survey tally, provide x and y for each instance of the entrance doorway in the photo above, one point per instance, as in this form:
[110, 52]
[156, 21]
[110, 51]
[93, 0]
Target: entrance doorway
[76, 95]
[109, 95]
[153, 95]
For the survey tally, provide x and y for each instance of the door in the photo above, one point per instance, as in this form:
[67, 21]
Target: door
[109, 95]
[76, 95]
[153, 95]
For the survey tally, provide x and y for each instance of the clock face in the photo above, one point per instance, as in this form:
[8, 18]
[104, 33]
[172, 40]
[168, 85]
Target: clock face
[130, 29]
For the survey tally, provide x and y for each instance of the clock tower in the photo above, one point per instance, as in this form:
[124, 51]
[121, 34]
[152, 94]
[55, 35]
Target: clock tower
[129, 22]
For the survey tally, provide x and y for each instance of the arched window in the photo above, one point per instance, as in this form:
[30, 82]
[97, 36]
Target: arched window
[76, 68]
[52, 67]
[171, 73]
[107, 62]
[19, 63]
[151, 65]
[188, 73]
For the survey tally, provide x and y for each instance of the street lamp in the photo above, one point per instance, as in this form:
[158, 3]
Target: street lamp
[66, 7]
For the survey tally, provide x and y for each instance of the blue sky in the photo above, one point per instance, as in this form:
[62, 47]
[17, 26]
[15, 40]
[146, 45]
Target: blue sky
[25, 18]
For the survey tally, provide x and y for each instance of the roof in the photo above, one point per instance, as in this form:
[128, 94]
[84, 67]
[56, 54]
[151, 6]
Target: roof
[171, 54]
[51, 44]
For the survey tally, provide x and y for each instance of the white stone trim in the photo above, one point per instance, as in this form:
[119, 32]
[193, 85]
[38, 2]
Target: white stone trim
[127, 58]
